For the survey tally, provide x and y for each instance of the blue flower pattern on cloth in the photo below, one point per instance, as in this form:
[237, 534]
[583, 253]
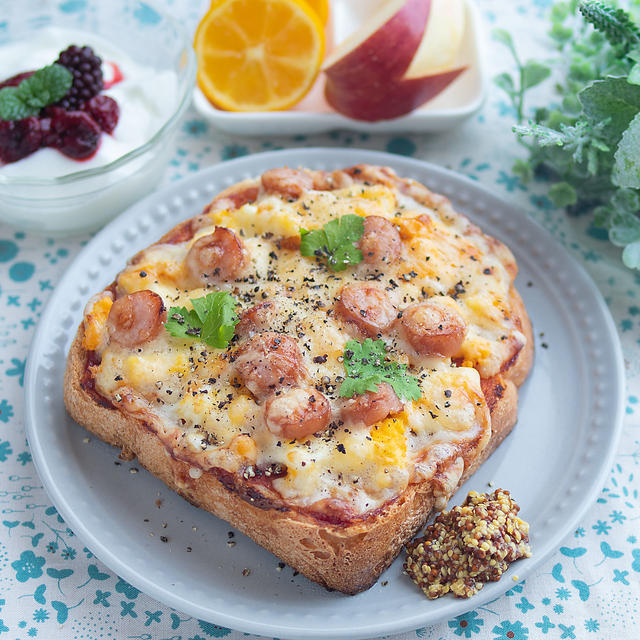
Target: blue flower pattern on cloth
[590, 587]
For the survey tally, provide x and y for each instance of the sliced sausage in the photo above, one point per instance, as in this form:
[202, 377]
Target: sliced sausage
[234, 197]
[290, 243]
[136, 318]
[433, 328]
[366, 306]
[286, 182]
[297, 412]
[268, 361]
[185, 230]
[216, 257]
[324, 181]
[380, 242]
[371, 407]
[258, 318]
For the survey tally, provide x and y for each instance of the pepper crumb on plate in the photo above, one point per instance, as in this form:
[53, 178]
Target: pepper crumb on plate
[468, 546]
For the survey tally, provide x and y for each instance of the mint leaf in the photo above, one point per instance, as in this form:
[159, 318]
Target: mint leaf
[213, 319]
[46, 86]
[56, 79]
[12, 107]
[367, 366]
[336, 241]
[626, 172]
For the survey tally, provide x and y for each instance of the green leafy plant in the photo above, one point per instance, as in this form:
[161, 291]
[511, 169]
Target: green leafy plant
[614, 23]
[530, 74]
[367, 365]
[213, 319]
[46, 86]
[335, 241]
[588, 145]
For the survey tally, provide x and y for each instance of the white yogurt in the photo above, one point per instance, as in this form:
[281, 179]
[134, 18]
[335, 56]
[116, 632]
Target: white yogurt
[146, 98]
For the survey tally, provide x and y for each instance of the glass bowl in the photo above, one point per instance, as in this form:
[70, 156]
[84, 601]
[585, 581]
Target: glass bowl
[86, 199]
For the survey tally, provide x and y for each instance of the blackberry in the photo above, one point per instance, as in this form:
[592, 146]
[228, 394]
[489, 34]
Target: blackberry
[19, 138]
[104, 110]
[86, 68]
[74, 133]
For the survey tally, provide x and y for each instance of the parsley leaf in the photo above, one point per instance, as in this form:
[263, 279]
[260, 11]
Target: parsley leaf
[46, 86]
[213, 319]
[336, 241]
[367, 366]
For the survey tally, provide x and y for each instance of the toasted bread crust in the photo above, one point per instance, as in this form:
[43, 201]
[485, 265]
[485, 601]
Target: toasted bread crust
[348, 559]
[345, 557]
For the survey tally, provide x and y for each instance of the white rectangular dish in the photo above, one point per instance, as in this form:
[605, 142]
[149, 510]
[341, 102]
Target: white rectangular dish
[313, 115]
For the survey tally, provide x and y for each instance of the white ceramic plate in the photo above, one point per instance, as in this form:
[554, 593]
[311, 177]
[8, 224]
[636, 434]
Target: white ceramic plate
[313, 115]
[554, 462]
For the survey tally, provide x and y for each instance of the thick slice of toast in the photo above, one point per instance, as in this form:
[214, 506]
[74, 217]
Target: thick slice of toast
[344, 555]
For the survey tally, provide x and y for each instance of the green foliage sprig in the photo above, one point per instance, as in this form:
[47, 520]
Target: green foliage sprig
[588, 145]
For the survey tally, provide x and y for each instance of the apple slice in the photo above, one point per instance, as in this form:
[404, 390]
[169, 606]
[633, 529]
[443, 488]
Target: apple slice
[382, 48]
[397, 61]
[394, 100]
[441, 40]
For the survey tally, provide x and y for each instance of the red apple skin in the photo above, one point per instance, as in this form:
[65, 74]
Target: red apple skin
[389, 50]
[395, 98]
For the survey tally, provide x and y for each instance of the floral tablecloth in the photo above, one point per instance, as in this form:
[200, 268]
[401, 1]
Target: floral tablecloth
[51, 586]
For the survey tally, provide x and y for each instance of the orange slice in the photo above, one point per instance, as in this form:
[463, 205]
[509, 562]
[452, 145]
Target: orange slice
[258, 55]
[321, 7]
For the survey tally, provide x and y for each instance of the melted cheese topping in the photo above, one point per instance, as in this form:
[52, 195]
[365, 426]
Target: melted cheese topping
[188, 388]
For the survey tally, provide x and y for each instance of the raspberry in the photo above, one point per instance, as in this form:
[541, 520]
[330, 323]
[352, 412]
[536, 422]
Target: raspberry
[74, 133]
[19, 138]
[86, 68]
[104, 110]
[14, 81]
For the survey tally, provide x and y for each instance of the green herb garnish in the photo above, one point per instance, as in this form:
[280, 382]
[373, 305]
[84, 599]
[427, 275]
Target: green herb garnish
[367, 366]
[588, 146]
[335, 241]
[213, 319]
[46, 86]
